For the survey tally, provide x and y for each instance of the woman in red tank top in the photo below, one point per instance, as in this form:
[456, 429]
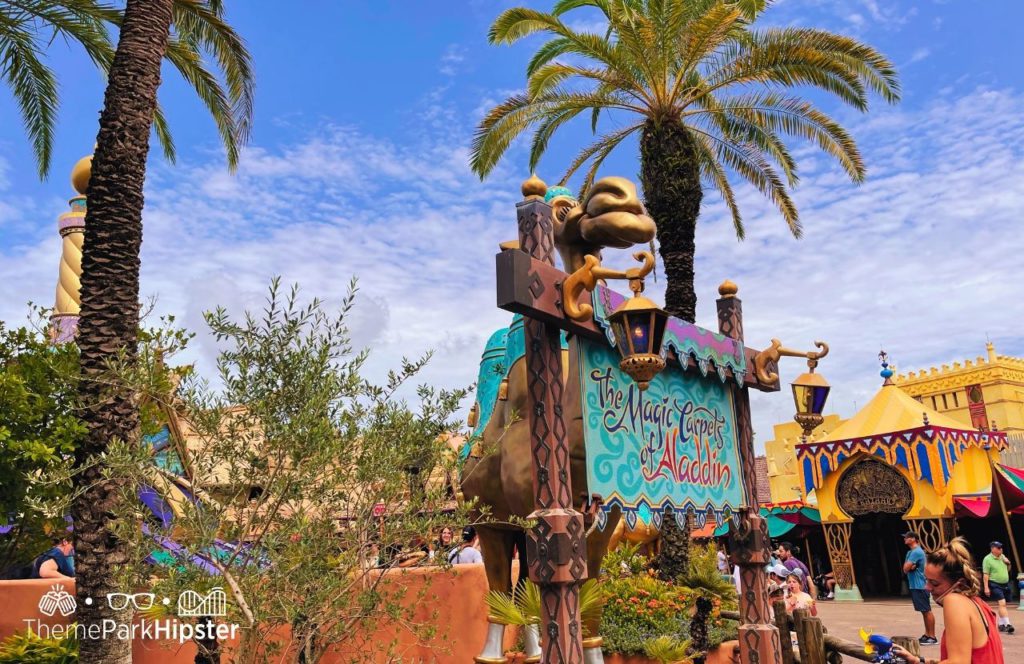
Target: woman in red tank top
[970, 635]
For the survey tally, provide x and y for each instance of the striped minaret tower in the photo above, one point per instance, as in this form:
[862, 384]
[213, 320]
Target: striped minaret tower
[71, 225]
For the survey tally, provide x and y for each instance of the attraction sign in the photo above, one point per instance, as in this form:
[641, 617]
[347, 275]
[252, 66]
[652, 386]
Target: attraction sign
[673, 445]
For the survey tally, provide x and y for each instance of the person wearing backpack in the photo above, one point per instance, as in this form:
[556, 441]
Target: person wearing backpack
[466, 553]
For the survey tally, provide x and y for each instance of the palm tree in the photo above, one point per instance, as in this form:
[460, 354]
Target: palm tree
[705, 91]
[28, 26]
[149, 30]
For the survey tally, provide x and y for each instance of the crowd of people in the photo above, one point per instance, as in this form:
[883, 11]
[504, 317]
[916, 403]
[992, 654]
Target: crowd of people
[946, 576]
[972, 631]
[443, 549]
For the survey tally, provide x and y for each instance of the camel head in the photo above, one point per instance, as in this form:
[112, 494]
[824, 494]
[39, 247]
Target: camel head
[611, 215]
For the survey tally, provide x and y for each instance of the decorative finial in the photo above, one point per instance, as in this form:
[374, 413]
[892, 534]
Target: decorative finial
[80, 174]
[556, 191]
[534, 187]
[886, 372]
[728, 289]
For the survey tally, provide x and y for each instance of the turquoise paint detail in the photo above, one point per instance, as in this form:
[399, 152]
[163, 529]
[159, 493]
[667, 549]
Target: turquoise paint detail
[673, 445]
[492, 370]
[556, 191]
[502, 350]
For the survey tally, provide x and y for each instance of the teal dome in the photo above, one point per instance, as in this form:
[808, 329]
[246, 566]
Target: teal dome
[558, 191]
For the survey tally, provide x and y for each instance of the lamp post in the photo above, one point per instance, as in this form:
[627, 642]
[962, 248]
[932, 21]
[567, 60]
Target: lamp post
[810, 390]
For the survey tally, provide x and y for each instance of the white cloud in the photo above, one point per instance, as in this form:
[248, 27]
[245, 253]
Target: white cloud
[453, 56]
[921, 260]
[918, 55]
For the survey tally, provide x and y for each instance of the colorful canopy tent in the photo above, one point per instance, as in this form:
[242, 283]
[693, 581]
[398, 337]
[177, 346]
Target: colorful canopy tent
[901, 431]
[984, 505]
[782, 518]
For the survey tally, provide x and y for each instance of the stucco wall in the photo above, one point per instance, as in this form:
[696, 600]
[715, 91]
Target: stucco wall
[453, 600]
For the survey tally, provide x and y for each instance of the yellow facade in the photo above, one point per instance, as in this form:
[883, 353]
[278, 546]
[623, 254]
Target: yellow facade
[780, 453]
[947, 389]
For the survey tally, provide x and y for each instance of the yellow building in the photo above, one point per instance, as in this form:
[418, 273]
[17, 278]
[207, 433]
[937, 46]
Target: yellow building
[986, 393]
[780, 452]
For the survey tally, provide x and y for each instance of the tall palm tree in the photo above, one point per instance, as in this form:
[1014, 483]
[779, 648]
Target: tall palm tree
[183, 31]
[27, 27]
[705, 91]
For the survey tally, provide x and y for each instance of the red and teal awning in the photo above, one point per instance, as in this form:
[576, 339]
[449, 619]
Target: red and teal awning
[782, 518]
[983, 505]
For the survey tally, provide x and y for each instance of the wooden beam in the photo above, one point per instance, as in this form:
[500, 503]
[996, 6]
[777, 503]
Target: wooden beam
[533, 288]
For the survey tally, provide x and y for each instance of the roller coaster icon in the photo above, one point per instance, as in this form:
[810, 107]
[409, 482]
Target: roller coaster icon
[192, 604]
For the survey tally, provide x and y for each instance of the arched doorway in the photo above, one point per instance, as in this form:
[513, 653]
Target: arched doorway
[876, 496]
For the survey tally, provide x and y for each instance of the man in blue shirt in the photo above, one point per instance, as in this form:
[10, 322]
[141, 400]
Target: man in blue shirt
[913, 567]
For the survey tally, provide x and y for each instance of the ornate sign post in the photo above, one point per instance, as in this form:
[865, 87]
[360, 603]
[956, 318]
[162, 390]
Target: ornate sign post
[556, 545]
[759, 638]
[682, 433]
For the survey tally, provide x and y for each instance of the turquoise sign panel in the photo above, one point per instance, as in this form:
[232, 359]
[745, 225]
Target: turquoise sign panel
[673, 445]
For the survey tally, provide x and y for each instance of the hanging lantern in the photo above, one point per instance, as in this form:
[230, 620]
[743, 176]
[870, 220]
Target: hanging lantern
[810, 392]
[639, 327]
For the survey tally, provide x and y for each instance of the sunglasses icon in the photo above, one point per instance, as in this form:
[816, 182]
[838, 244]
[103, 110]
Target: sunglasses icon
[120, 601]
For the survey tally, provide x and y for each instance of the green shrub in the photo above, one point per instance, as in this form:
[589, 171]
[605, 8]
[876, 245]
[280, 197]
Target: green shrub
[29, 648]
[641, 608]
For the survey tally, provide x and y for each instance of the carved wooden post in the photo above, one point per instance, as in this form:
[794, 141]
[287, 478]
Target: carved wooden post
[759, 639]
[782, 623]
[556, 545]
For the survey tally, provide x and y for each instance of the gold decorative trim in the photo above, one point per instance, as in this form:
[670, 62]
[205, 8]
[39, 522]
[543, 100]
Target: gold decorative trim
[586, 278]
[775, 351]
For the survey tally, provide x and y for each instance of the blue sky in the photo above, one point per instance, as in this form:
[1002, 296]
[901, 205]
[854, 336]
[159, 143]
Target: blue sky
[358, 166]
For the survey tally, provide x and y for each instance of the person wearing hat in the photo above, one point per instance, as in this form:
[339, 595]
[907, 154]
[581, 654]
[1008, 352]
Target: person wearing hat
[995, 575]
[913, 567]
[466, 553]
[778, 573]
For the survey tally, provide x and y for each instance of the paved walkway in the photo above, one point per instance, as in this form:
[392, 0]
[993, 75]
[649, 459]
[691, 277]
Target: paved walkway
[897, 618]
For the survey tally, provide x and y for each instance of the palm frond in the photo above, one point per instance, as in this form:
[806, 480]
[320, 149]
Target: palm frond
[604, 144]
[749, 162]
[201, 24]
[714, 176]
[33, 85]
[163, 134]
[190, 65]
[503, 608]
[699, 63]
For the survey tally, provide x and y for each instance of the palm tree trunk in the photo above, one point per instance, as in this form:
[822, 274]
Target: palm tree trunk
[670, 175]
[110, 309]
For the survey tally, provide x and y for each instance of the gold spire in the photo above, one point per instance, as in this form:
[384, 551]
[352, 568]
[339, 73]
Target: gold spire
[71, 226]
[534, 187]
[81, 173]
[728, 289]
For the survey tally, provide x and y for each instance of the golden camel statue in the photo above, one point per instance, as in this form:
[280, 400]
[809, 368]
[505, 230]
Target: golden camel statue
[498, 471]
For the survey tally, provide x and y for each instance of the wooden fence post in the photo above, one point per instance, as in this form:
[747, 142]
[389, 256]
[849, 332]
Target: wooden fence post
[782, 623]
[811, 637]
[909, 643]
